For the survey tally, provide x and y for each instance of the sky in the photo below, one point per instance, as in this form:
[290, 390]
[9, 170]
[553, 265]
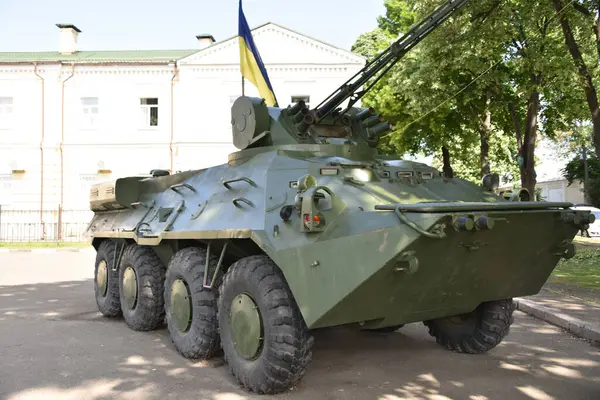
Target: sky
[30, 25]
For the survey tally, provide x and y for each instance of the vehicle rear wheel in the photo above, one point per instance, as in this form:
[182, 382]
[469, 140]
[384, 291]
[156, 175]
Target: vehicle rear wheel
[190, 308]
[141, 279]
[264, 337]
[106, 280]
[476, 332]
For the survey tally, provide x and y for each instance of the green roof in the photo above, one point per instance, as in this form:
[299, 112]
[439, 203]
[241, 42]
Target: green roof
[109, 56]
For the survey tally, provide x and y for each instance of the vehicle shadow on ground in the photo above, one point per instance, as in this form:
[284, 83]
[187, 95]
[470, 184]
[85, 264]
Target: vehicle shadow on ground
[54, 344]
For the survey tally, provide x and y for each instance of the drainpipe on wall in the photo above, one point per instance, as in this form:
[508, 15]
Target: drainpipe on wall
[35, 71]
[175, 73]
[62, 140]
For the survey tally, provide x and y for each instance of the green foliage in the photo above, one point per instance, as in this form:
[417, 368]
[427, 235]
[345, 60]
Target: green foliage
[538, 194]
[575, 171]
[573, 142]
[521, 46]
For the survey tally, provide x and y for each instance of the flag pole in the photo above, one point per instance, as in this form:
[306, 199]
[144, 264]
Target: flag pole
[242, 85]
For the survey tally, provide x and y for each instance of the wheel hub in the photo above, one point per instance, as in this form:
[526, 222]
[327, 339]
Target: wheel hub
[246, 326]
[181, 306]
[102, 278]
[130, 287]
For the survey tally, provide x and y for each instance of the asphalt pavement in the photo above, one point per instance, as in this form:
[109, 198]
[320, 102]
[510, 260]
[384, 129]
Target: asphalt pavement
[55, 345]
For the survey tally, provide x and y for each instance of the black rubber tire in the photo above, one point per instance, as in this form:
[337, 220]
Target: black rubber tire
[108, 304]
[286, 346]
[201, 341]
[148, 313]
[387, 329]
[481, 331]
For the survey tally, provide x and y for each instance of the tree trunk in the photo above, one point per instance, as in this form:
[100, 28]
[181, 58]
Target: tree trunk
[528, 175]
[448, 172]
[586, 179]
[588, 85]
[597, 33]
[597, 29]
[485, 130]
[517, 123]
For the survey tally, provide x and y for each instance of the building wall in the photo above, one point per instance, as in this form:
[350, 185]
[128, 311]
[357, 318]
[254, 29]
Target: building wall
[69, 122]
[558, 190]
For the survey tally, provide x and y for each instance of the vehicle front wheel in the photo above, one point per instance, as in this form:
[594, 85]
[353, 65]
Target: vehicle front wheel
[264, 337]
[476, 332]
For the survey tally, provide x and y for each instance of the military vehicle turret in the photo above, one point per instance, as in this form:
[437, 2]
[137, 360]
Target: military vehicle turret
[306, 227]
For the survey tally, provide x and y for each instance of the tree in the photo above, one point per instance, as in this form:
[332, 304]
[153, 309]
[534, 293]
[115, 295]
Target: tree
[438, 96]
[586, 80]
[576, 144]
[575, 171]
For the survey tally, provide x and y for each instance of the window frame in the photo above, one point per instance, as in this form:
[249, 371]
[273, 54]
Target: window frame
[305, 97]
[7, 123]
[84, 121]
[145, 113]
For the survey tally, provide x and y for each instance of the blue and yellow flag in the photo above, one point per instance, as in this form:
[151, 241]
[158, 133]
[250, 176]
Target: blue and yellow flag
[251, 64]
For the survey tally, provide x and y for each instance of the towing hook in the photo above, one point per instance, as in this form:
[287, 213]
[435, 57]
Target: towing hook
[566, 250]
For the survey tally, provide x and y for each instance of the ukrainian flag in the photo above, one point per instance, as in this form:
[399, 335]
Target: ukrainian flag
[251, 64]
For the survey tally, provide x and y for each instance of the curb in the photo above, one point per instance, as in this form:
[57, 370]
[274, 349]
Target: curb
[578, 327]
[45, 251]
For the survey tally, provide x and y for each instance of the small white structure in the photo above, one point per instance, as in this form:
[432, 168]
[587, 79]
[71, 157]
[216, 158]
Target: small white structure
[71, 117]
[558, 189]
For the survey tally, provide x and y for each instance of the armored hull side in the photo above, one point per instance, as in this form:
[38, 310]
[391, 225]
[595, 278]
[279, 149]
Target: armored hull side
[361, 265]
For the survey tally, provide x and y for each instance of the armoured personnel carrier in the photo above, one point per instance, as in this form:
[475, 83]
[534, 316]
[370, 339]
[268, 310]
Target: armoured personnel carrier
[307, 226]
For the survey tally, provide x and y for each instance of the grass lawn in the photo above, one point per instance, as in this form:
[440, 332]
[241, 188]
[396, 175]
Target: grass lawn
[582, 270]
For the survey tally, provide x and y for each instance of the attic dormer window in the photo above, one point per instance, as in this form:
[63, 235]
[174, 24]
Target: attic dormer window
[297, 98]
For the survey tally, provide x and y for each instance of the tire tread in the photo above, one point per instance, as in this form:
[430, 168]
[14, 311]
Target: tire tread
[288, 350]
[203, 341]
[149, 312]
[491, 328]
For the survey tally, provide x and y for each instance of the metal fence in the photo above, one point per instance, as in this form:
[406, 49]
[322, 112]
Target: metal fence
[17, 225]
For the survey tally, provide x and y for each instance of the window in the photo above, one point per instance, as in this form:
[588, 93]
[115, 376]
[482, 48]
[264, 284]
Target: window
[5, 182]
[6, 112]
[297, 98]
[149, 111]
[89, 108]
[6, 188]
[87, 180]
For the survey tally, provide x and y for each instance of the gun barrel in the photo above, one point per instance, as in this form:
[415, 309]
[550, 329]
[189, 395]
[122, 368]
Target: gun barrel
[379, 129]
[367, 112]
[381, 64]
[296, 107]
[371, 121]
[300, 115]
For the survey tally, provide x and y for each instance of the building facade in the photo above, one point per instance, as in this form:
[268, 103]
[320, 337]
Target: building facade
[71, 118]
[558, 189]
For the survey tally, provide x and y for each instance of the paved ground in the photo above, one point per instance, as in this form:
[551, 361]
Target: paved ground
[53, 344]
[566, 304]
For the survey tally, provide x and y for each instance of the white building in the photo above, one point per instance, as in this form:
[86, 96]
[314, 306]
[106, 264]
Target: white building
[550, 179]
[558, 189]
[70, 117]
